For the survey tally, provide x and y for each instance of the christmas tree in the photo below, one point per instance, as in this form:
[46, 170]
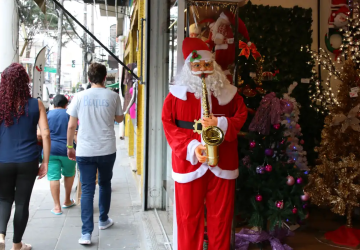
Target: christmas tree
[271, 187]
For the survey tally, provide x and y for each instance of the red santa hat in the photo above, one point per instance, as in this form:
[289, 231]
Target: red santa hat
[195, 49]
[228, 18]
[343, 10]
[335, 3]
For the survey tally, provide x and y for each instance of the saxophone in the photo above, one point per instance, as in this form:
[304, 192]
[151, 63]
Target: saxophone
[212, 136]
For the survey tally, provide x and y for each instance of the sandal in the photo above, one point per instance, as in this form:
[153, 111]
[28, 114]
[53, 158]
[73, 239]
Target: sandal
[71, 205]
[24, 246]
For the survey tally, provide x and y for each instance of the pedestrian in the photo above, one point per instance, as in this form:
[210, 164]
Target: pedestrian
[97, 108]
[59, 163]
[19, 153]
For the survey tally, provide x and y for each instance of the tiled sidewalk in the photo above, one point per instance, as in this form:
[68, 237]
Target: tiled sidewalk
[46, 231]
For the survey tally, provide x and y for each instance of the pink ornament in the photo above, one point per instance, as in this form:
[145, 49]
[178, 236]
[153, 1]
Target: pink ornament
[269, 152]
[287, 106]
[279, 204]
[290, 180]
[276, 126]
[305, 196]
[252, 144]
[258, 198]
[302, 142]
[297, 126]
[299, 180]
[294, 210]
[268, 168]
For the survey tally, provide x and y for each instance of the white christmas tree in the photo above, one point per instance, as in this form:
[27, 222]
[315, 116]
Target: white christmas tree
[295, 150]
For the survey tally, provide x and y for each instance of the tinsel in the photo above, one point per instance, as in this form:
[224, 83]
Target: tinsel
[295, 150]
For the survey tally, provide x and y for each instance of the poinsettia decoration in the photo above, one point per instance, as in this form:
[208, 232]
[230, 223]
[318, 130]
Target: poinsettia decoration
[195, 56]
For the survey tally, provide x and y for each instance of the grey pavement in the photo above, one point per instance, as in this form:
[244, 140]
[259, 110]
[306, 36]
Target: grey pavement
[133, 229]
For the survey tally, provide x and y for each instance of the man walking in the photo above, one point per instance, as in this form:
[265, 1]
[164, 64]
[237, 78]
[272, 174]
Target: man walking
[96, 108]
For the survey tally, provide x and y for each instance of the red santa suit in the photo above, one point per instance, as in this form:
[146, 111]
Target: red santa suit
[222, 38]
[196, 182]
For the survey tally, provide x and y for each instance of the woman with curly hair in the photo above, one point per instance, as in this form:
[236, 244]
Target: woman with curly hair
[19, 117]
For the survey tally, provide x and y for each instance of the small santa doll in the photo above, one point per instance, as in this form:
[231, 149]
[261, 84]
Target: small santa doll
[339, 18]
[194, 179]
[222, 38]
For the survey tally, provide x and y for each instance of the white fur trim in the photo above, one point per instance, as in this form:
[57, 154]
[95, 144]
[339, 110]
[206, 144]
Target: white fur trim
[227, 93]
[222, 123]
[205, 55]
[223, 16]
[221, 46]
[221, 173]
[225, 174]
[191, 156]
[179, 91]
[188, 177]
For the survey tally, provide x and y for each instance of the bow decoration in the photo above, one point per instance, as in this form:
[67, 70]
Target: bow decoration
[195, 56]
[247, 48]
[349, 120]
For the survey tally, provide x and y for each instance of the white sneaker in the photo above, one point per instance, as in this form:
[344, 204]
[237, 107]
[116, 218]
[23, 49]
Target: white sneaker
[85, 239]
[106, 224]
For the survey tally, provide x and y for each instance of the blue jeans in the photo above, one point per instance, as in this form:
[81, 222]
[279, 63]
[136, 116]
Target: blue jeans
[88, 167]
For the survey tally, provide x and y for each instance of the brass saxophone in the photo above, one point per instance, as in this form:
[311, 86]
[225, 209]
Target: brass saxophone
[213, 136]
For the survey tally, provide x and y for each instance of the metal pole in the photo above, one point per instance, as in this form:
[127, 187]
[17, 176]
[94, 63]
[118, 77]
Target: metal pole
[142, 49]
[172, 50]
[187, 19]
[92, 46]
[85, 46]
[235, 77]
[94, 37]
[59, 41]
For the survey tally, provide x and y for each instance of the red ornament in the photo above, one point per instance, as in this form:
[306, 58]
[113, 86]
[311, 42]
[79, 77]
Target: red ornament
[276, 126]
[294, 210]
[290, 180]
[258, 198]
[302, 142]
[252, 144]
[279, 204]
[268, 168]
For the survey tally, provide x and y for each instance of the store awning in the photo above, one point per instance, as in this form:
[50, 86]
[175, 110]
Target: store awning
[109, 2]
[114, 85]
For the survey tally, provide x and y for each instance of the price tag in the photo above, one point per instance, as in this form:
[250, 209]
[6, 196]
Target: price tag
[252, 74]
[305, 80]
[353, 94]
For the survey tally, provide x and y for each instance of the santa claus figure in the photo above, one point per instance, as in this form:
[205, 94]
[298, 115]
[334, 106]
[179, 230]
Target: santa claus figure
[196, 181]
[339, 18]
[222, 38]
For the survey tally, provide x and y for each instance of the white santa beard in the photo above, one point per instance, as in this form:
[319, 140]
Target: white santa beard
[214, 82]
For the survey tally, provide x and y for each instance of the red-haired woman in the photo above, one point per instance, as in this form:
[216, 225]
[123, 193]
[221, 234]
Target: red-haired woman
[19, 153]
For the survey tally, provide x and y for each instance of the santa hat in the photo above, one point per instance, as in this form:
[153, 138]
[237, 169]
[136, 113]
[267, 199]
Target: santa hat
[343, 10]
[195, 49]
[336, 3]
[228, 18]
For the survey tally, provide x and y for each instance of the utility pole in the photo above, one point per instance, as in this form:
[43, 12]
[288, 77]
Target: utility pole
[92, 46]
[85, 46]
[59, 41]
[9, 30]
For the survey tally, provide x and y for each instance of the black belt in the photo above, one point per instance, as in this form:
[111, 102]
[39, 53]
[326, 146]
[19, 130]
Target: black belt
[187, 125]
